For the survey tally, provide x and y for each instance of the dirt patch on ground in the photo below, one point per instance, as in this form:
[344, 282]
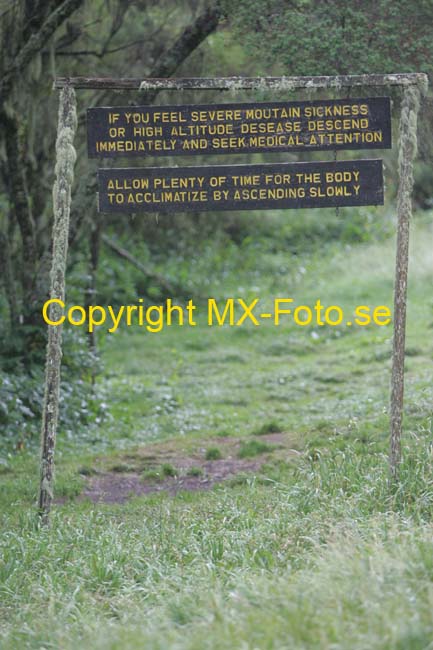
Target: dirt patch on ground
[165, 467]
[274, 438]
[113, 487]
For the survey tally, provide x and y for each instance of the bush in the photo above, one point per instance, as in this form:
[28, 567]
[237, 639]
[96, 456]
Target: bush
[22, 392]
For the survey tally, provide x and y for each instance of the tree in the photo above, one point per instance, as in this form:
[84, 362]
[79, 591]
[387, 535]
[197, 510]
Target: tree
[331, 37]
[39, 38]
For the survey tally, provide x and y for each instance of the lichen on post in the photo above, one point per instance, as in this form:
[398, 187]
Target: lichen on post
[64, 175]
[406, 155]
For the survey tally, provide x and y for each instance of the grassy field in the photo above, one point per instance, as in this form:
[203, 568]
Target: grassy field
[305, 544]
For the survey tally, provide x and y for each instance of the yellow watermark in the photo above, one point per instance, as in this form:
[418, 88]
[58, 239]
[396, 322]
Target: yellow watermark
[233, 312]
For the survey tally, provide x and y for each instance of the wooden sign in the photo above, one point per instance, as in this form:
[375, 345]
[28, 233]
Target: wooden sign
[362, 123]
[241, 187]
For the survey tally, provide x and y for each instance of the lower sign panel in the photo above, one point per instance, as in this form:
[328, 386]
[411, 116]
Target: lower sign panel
[241, 187]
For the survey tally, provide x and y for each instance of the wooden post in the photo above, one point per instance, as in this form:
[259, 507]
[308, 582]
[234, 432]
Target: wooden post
[407, 153]
[64, 171]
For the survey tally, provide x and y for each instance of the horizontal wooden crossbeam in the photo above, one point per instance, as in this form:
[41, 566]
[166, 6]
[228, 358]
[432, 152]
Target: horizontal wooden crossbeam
[244, 83]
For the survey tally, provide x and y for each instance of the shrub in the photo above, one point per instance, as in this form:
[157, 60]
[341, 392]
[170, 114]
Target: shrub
[213, 453]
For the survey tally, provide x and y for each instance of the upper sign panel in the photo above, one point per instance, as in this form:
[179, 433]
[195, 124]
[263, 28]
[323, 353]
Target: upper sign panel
[363, 123]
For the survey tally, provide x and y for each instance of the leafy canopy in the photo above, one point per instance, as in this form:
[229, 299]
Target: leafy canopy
[315, 37]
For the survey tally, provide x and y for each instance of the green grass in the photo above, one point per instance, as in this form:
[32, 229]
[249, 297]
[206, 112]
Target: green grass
[269, 427]
[251, 448]
[242, 378]
[213, 453]
[167, 469]
[218, 568]
[315, 551]
[195, 472]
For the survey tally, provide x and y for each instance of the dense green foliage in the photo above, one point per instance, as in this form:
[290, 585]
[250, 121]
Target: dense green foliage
[21, 396]
[307, 37]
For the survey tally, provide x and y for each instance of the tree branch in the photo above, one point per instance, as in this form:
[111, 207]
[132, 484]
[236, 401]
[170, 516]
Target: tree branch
[104, 49]
[170, 61]
[187, 42]
[101, 53]
[126, 255]
[35, 43]
[35, 12]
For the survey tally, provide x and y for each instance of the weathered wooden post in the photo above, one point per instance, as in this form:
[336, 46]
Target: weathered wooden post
[407, 152]
[64, 171]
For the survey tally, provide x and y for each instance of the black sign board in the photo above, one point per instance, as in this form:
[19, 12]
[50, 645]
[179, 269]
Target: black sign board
[241, 187]
[362, 123]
